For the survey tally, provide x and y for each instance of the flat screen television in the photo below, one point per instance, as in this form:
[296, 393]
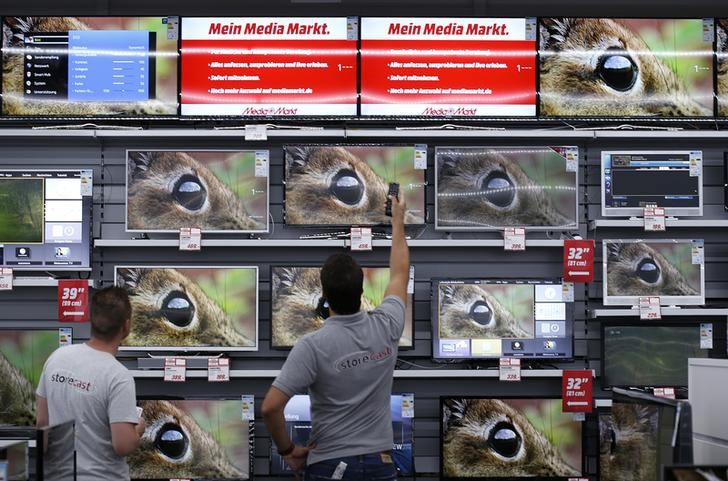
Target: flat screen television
[194, 439]
[343, 185]
[671, 269]
[633, 179]
[269, 66]
[215, 190]
[23, 354]
[298, 425]
[296, 293]
[90, 66]
[508, 438]
[183, 308]
[692, 472]
[601, 67]
[448, 67]
[655, 354]
[45, 219]
[52, 450]
[488, 188]
[494, 318]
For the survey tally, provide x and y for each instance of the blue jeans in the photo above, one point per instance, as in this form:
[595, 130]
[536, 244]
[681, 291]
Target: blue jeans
[366, 467]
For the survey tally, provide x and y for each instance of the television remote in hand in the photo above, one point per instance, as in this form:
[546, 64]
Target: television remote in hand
[393, 191]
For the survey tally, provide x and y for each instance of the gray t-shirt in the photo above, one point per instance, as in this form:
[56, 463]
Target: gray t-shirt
[92, 388]
[347, 367]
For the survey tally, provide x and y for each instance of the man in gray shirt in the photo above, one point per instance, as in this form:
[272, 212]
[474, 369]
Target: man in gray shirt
[86, 384]
[347, 368]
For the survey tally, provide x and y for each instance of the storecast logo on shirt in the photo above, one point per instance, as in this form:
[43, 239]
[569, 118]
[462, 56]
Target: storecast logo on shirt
[66, 377]
[361, 358]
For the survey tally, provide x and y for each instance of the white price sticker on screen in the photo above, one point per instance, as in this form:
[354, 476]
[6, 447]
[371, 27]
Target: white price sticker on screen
[514, 239]
[510, 369]
[190, 239]
[175, 369]
[650, 308]
[571, 154]
[421, 156]
[706, 335]
[361, 238]
[411, 281]
[261, 163]
[6, 279]
[87, 182]
[696, 166]
[247, 407]
[218, 369]
[65, 336]
[256, 132]
[666, 392]
[655, 219]
[567, 292]
[408, 406]
[698, 252]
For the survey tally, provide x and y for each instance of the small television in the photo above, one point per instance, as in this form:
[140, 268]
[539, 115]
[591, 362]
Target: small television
[269, 66]
[298, 425]
[498, 438]
[296, 293]
[494, 318]
[656, 354]
[193, 439]
[45, 219]
[692, 472]
[632, 180]
[214, 190]
[90, 66]
[184, 308]
[344, 185]
[23, 354]
[671, 269]
[489, 188]
[448, 67]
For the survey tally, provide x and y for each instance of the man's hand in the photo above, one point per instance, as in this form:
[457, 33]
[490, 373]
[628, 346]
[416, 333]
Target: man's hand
[141, 427]
[297, 460]
[399, 207]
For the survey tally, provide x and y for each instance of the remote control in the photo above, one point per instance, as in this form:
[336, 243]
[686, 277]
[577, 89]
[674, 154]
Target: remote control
[393, 191]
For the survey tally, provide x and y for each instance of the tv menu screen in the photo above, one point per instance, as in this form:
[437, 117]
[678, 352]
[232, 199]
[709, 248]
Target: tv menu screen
[280, 67]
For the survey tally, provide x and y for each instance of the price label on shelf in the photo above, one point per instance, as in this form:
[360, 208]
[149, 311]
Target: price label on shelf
[654, 219]
[218, 369]
[190, 239]
[256, 132]
[361, 238]
[247, 407]
[650, 308]
[514, 239]
[666, 392]
[175, 369]
[6, 279]
[509, 369]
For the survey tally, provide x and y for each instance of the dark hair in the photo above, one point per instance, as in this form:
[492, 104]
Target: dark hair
[110, 308]
[342, 282]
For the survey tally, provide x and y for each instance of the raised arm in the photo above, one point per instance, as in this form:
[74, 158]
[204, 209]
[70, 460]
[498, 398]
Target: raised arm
[399, 260]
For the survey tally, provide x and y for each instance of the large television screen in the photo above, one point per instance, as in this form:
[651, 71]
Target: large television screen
[201, 308]
[193, 439]
[600, 67]
[671, 269]
[269, 66]
[342, 185]
[45, 219]
[298, 424]
[656, 354]
[90, 66]
[295, 296]
[448, 67]
[480, 188]
[492, 318]
[215, 190]
[23, 354]
[632, 180]
[508, 438]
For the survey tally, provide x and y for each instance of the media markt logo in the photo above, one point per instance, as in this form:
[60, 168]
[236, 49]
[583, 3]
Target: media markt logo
[450, 112]
[265, 111]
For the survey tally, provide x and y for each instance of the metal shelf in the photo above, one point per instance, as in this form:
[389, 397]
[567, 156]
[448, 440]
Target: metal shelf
[665, 311]
[669, 222]
[465, 133]
[320, 243]
[42, 282]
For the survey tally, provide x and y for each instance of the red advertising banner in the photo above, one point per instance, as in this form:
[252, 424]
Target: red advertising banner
[73, 300]
[578, 260]
[453, 67]
[576, 391]
[268, 67]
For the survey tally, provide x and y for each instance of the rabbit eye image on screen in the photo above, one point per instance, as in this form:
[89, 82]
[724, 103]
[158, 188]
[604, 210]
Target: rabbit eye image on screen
[627, 67]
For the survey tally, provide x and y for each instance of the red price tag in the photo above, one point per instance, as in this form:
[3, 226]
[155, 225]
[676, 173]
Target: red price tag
[175, 369]
[576, 391]
[72, 300]
[666, 392]
[650, 308]
[510, 369]
[218, 369]
[654, 219]
[361, 238]
[578, 260]
[514, 239]
[190, 239]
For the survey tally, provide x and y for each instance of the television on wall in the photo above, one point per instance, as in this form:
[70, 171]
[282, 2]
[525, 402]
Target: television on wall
[632, 180]
[214, 190]
[296, 293]
[90, 66]
[692, 472]
[488, 188]
[45, 219]
[343, 185]
[200, 308]
[625, 67]
[671, 269]
[508, 438]
[193, 439]
[494, 318]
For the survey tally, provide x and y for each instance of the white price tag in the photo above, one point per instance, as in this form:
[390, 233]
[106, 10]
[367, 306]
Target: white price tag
[190, 239]
[411, 282]
[248, 407]
[361, 238]
[172, 27]
[655, 219]
[408, 405]
[572, 159]
[696, 166]
[261, 163]
[87, 182]
[514, 239]
[175, 369]
[650, 308]
[510, 369]
[421, 156]
[666, 392]
[65, 336]
[256, 132]
[6, 279]
[567, 292]
[218, 369]
[706, 335]
[698, 252]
